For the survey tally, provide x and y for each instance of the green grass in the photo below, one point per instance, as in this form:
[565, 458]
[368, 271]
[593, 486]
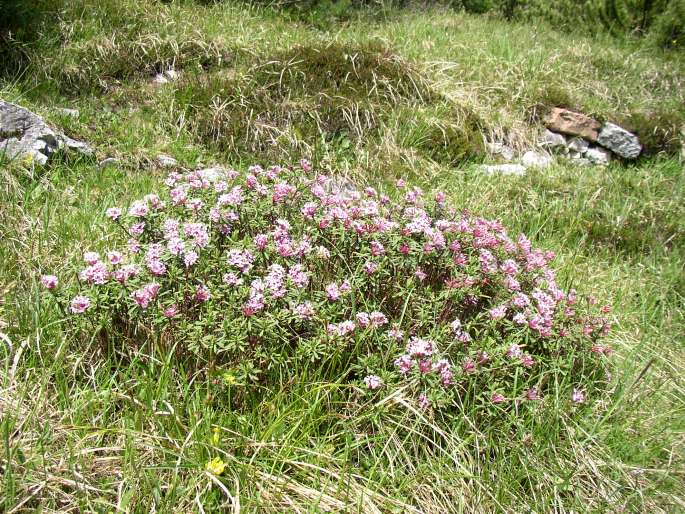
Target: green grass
[81, 430]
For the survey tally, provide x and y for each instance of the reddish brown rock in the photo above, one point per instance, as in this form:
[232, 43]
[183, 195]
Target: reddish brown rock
[572, 123]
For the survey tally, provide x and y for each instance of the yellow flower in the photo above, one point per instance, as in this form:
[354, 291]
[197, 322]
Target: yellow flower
[216, 466]
[216, 436]
[229, 378]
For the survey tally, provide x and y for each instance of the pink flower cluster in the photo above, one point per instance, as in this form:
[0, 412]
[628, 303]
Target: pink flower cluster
[293, 250]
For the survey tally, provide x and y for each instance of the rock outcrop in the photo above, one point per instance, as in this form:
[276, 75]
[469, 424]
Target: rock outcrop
[619, 141]
[24, 134]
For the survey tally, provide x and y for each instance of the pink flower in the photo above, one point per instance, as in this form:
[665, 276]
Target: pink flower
[527, 360]
[498, 312]
[532, 394]
[378, 319]
[202, 294]
[370, 267]
[304, 310]
[332, 292]
[496, 398]
[425, 366]
[138, 209]
[80, 304]
[171, 311]
[509, 267]
[396, 334]
[305, 165]
[115, 257]
[578, 396]
[482, 357]
[113, 213]
[95, 274]
[424, 402]
[520, 319]
[91, 258]
[420, 274]
[363, 319]
[404, 363]
[377, 249]
[373, 382]
[514, 351]
[137, 229]
[133, 246]
[190, 258]
[468, 366]
[440, 197]
[418, 347]
[48, 281]
[260, 241]
[232, 279]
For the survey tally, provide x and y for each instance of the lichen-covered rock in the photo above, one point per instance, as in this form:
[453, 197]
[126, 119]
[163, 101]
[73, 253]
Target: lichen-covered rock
[24, 134]
[502, 169]
[579, 145]
[537, 160]
[572, 123]
[620, 141]
[166, 161]
[598, 155]
[501, 150]
[552, 140]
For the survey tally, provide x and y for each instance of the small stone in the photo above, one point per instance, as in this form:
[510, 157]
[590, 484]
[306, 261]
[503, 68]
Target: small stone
[501, 150]
[212, 174]
[579, 145]
[533, 159]
[171, 74]
[166, 161]
[620, 141]
[582, 161]
[572, 123]
[109, 161]
[552, 140]
[503, 169]
[597, 155]
[79, 146]
[68, 113]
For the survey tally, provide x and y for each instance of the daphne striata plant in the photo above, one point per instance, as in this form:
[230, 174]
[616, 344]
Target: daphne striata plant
[271, 269]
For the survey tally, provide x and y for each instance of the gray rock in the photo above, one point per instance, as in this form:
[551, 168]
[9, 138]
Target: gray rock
[501, 150]
[338, 185]
[619, 141]
[212, 174]
[582, 161]
[171, 74]
[109, 161]
[25, 134]
[578, 145]
[69, 113]
[503, 169]
[166, 76]
[552, 140]
[538, 160]
[597, 155]
[166, 161]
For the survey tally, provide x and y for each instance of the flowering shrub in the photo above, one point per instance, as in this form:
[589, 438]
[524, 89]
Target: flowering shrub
[268, 270]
